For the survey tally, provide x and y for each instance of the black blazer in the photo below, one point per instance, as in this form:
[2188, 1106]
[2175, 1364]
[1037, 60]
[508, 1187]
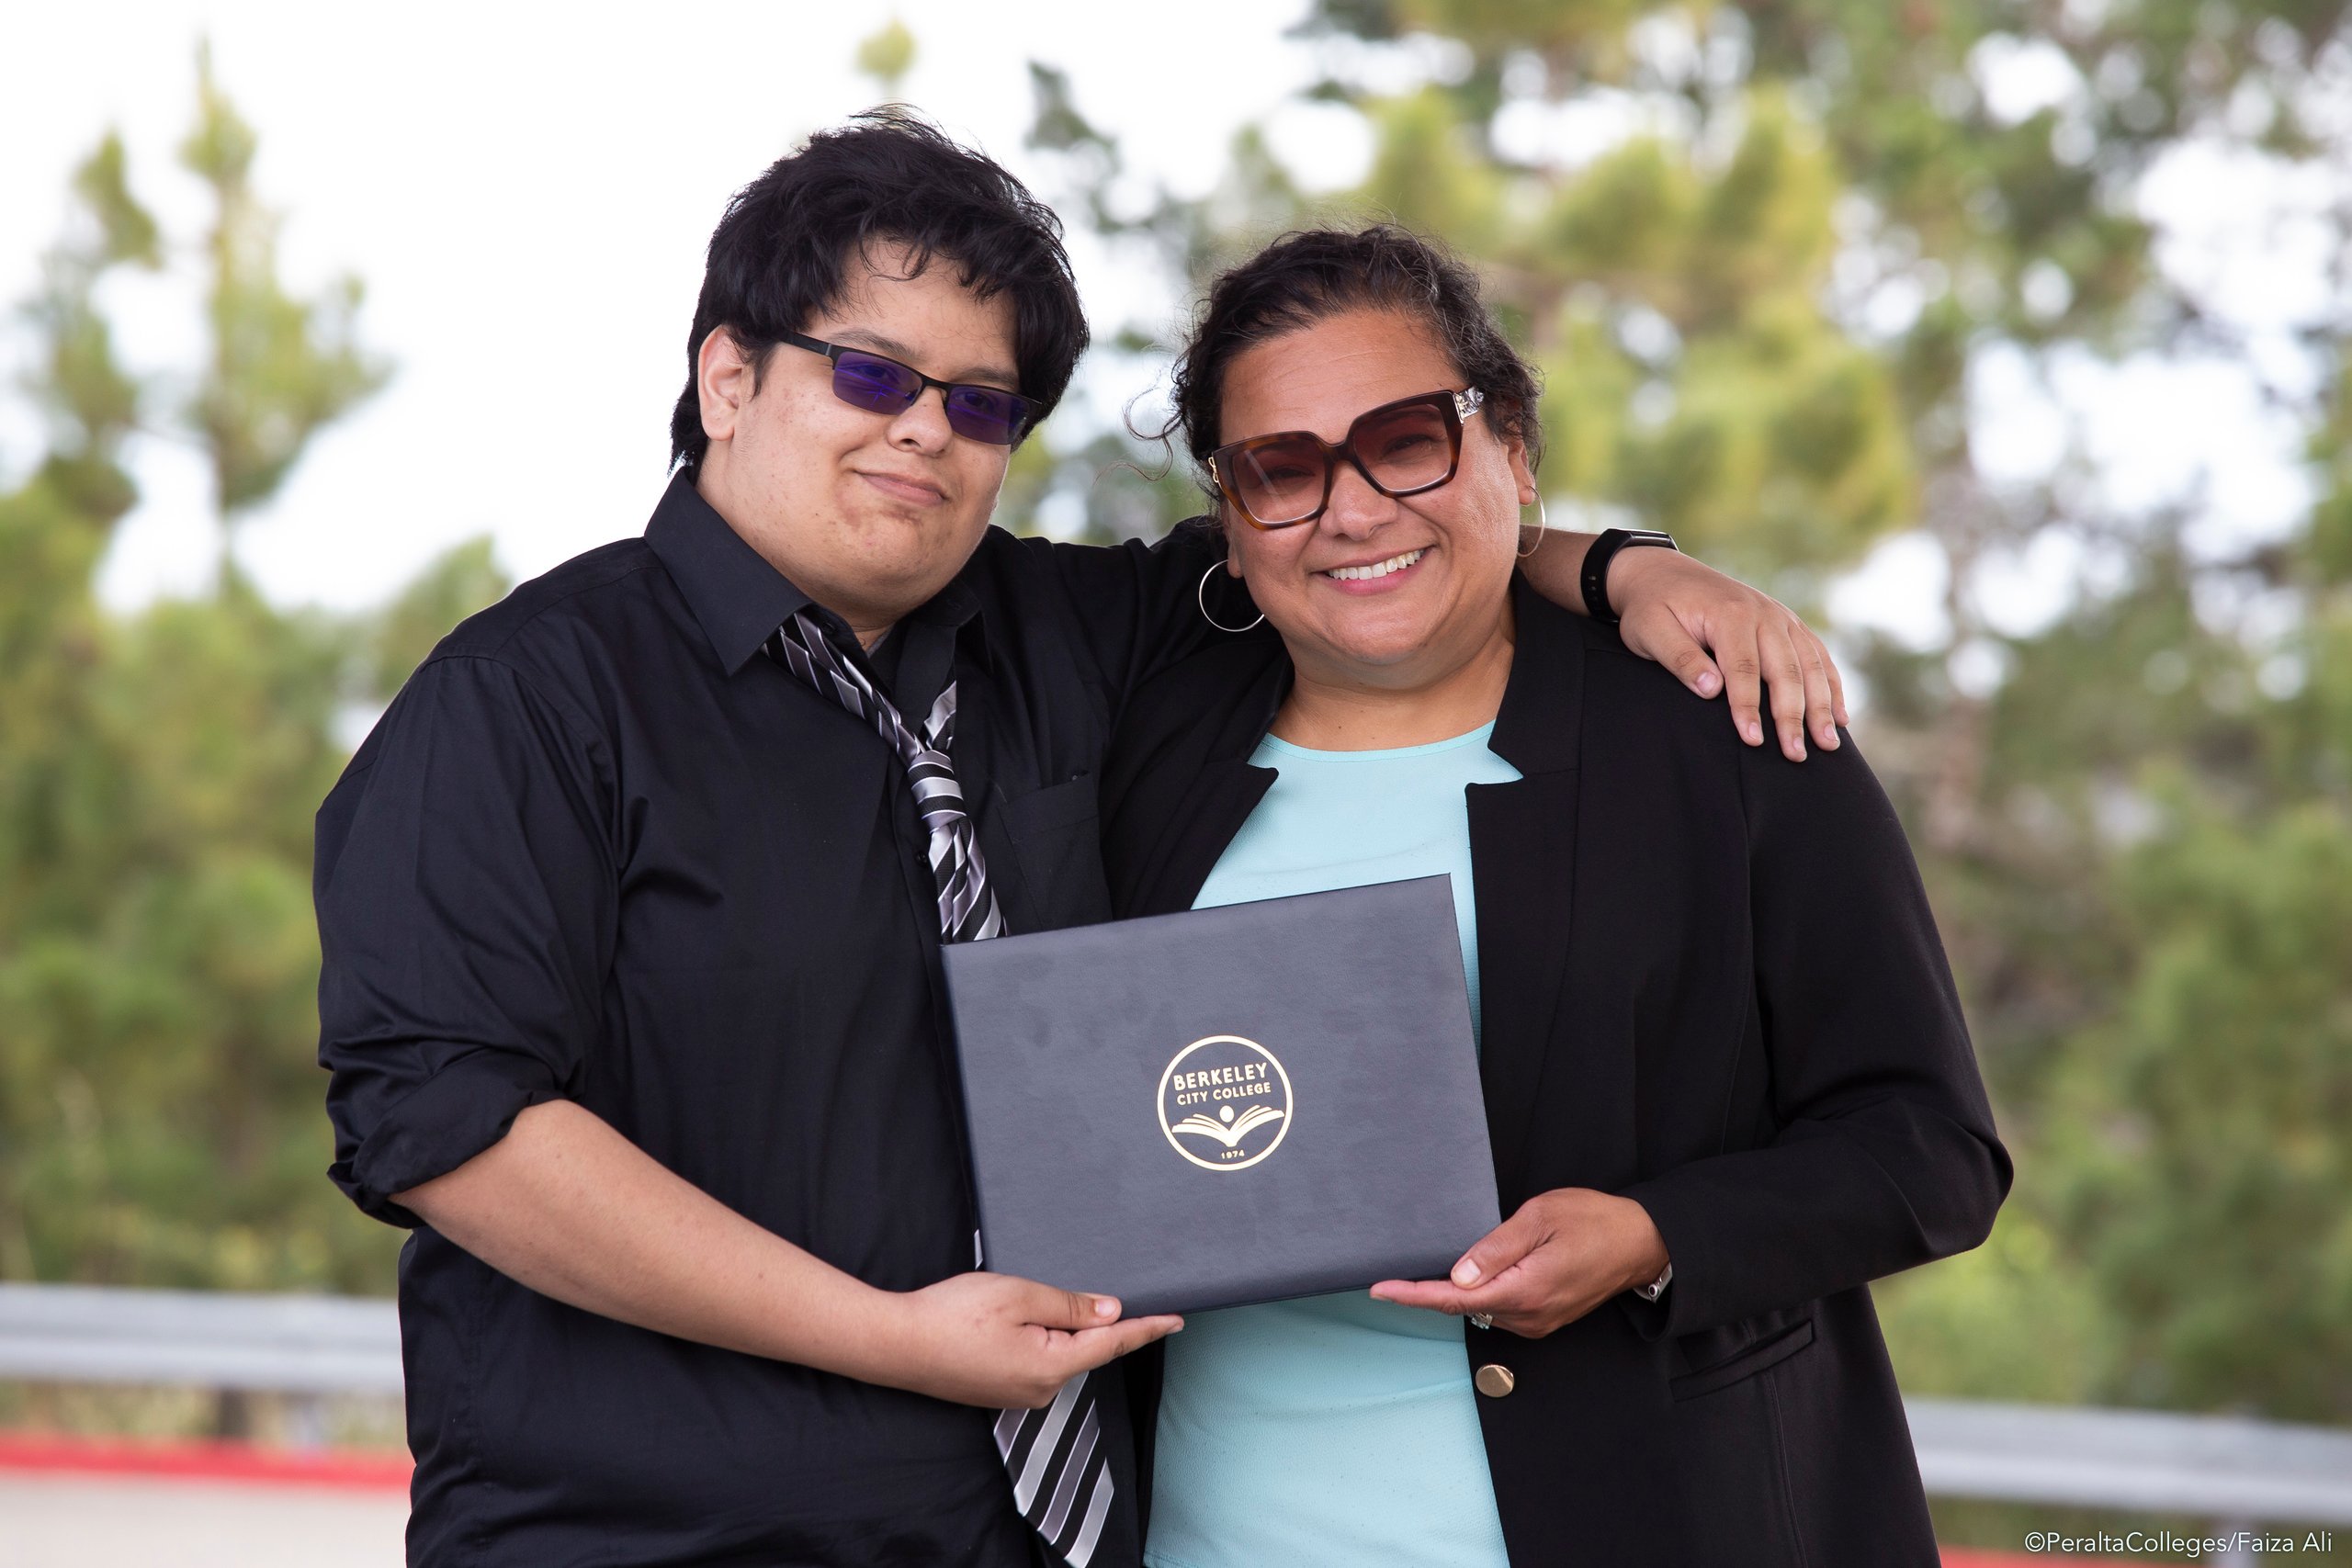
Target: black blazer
[1711, 983]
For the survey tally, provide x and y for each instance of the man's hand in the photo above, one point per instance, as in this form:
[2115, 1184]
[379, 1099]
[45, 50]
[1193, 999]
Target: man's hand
[1673, 609]
[1562, 1255]
[997, 1341]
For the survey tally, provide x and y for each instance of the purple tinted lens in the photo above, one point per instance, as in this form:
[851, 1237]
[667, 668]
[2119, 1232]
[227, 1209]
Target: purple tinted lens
[878, 385]
[981, 413]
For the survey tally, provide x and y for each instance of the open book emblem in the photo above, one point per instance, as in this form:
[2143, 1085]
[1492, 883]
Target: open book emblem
[1225, 1102]
[1240, 1126]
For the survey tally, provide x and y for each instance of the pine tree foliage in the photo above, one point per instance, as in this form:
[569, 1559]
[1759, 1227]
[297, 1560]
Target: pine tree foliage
[1763, 254]
[159, 1098]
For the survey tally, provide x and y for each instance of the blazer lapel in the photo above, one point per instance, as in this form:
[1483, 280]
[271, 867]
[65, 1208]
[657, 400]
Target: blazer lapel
[1229, 791]
[1523, 858]
[1222, 790]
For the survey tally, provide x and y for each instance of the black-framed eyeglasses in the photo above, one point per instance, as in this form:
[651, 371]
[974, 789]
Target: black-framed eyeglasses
[879, 384]
[1400, 449]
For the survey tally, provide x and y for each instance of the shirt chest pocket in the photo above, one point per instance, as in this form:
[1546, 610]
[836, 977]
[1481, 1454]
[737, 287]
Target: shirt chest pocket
[1054, 837]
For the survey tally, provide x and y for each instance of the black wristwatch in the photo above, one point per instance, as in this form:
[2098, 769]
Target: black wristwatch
[1596, 566]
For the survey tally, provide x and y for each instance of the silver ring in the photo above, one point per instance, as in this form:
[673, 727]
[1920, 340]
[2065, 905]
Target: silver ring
[1482, 1320]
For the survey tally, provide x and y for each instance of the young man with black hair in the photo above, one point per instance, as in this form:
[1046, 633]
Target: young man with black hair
[630, 909]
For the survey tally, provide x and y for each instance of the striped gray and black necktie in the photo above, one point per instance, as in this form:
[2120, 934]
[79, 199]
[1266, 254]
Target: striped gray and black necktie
[1061, 1481]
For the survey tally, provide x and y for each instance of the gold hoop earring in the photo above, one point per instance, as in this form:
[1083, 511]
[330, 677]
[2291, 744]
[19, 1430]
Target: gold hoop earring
[1543, 523]
[1201, 595]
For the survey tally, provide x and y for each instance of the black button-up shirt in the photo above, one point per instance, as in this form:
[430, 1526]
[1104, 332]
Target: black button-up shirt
[602, 848]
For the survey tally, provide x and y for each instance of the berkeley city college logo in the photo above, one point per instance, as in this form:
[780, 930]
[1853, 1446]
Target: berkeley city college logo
[1225, 1102]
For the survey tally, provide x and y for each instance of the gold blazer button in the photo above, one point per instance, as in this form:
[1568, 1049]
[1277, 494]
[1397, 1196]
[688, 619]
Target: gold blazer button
[1493, 1381]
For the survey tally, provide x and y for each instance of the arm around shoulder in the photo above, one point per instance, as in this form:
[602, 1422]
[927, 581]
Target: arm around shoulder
[1137, 607]
[1716, 633]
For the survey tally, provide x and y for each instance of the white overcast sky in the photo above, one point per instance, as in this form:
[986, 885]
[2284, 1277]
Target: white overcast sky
[527, 190]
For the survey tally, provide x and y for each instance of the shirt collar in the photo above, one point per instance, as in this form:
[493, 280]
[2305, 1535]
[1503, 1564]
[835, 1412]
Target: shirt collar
[739, 600]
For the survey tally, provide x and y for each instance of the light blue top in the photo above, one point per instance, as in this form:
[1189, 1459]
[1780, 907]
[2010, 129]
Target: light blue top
[1335, 1429]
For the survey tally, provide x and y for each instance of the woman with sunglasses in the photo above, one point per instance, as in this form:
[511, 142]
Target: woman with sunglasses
[1727, 1076]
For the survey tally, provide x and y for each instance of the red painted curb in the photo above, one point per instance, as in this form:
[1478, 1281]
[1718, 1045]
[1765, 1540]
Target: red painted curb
[240, 1462]
[382, 1472]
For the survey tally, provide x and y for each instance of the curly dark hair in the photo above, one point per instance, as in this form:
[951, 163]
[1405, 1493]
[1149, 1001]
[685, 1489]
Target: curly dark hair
[784, 250]
[1311, 275]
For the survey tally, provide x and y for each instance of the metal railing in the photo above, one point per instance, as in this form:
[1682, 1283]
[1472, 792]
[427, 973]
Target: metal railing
[265, 1344]
[2217, 1467]
[2223, 1468]
[304, 1349]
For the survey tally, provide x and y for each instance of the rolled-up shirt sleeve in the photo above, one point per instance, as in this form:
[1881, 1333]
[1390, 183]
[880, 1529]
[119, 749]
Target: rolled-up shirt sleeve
[467, 893]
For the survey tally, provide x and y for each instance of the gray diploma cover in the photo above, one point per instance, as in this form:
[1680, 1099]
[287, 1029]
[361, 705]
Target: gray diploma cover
[1228, 1105]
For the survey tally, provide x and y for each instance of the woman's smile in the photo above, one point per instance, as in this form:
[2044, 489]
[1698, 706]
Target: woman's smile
[1383, 576]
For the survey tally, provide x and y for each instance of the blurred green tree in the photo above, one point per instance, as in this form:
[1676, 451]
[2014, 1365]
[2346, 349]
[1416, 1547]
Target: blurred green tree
[887, 55]
[1765, 255]
[159, 1101]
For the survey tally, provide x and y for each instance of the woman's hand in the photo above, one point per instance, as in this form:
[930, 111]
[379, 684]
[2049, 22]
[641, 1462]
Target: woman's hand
[1562, 1255]
[1674, 609]
[997, 1341]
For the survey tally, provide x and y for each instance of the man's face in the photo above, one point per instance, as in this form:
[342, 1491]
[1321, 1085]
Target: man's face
[870, 514]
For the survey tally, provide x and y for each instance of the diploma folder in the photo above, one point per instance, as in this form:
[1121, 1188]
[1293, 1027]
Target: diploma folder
[1228, 1105]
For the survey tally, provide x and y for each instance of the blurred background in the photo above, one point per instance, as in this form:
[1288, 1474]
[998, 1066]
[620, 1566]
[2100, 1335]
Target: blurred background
[2006, 339]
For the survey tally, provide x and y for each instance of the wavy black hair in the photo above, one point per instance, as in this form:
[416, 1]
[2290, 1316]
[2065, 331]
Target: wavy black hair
[789, 242]
[1312, 274]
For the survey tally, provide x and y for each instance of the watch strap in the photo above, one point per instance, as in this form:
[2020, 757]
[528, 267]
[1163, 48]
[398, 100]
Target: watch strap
[1596, 566]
